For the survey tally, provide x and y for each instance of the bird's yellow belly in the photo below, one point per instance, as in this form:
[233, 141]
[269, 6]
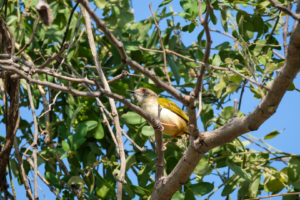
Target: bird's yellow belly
[172, 123]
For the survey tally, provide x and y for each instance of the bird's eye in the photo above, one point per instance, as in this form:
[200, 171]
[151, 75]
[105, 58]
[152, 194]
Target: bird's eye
[143, 90]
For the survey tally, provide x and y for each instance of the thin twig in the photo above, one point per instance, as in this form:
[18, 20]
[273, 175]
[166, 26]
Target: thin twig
[159, 174]
[21, 169]
[68, 25]
[111, 102]
[76, 31]
[143, 150]
[285, 10]
[34, 144]
[277, 54]
[242, 92]
[235, 108]
[161, 44]
[275, 195]
[45, 64]
[200, 105]
[54, 100]
[31, 38]
[221, 68]
[52, 189]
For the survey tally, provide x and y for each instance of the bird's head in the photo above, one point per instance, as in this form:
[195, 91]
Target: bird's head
[143, 94]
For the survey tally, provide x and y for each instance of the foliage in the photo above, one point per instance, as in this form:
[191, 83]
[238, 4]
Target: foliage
[79, 132]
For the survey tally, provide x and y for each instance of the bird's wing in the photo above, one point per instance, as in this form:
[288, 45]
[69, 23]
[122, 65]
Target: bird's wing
[166, 103]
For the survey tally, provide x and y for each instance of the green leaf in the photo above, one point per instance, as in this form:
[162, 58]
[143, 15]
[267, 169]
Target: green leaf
[216, 60]
[144, 174]
[99, 132]
[212, 17]
[125, 19]
[224, 20]
[293, 170]
[244, 189]
[53, 180]
[230, 186]
[191, 27]
[177, 196]
[84, 127]
[130, 160]
[65, 146]
[76, 112]
[231, 88]
[147, 131]
[165, 2]
[259, 25]
[203, 168]
[253, 189]
[57, 150]
[104, 181]
[189, 195]
[271, 134]
[133, 118]
[142, 192]
[14, 167]
[185, 4]
[75, 180]
[237, 170]
[259, 45]
[100, 3]
[174, 68]
[200, 189]
[78, 143]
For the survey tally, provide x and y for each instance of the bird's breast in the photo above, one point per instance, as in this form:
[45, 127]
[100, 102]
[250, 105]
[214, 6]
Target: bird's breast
[172, 122]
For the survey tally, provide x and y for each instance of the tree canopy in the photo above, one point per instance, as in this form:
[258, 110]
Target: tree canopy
[70, 64]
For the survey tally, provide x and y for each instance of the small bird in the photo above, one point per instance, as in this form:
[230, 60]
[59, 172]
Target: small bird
[172, 118]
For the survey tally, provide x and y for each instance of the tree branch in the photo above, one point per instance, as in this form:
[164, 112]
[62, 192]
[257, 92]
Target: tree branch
[31, 38]
[161, 44]
[111, 102]
[285, 10]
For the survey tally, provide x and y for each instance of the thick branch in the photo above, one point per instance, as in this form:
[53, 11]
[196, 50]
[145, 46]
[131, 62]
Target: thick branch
[237, 126]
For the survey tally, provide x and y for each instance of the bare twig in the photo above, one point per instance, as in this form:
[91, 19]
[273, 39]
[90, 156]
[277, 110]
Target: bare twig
[275, 195]
[45, 64]
[106, 122]
[68, 25]
[111, 102]
[212, 29]
[221, 68]
[34, 144]
[52, 85]
[161, 44]
[159, 174]
[277, 54]
[21, 169]
[235, 109]
[242, 92]
[52, 189]
[76, 30]
[49, 109]
[31, 38]
[200, 105]
[285, 10]
[143, 150]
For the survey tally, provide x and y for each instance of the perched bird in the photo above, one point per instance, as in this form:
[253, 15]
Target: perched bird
[172, 118]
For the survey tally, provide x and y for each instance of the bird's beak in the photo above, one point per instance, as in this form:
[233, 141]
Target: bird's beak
[131, 91]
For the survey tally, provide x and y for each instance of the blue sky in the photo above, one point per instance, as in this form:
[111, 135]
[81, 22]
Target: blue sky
[286, 117]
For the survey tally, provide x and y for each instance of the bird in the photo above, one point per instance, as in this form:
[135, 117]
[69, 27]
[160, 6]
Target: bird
[172, 118]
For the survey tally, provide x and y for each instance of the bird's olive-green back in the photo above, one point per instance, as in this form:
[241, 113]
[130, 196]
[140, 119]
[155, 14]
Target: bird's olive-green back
[168, 104]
